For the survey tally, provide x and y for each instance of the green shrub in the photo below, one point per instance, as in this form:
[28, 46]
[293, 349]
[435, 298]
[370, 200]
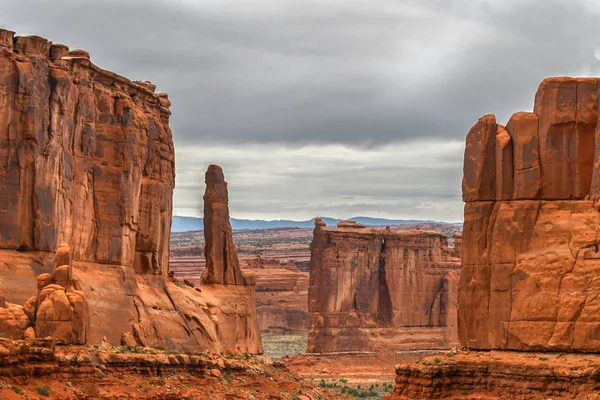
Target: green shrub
[437, 360]
[129, 349]
[543, 358]
[43, 390]
[16, 389]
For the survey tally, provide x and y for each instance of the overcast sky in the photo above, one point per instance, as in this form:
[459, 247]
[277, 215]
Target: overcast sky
[328, 107]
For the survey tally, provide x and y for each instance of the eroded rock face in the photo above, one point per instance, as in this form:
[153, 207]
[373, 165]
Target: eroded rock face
[529, 279]
[222, 265]
[372, 289]
[60, 309]
[86, 159]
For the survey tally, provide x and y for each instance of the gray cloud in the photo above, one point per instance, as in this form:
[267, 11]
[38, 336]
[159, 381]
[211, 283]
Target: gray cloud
[288, 76]
[331, 71]
[417, 181]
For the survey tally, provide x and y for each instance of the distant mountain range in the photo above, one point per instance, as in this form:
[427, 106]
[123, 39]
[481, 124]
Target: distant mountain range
[185, 224]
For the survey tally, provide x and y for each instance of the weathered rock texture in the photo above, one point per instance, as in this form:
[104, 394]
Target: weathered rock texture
[107, 372]
[499, 375]
[222, 265]
[281, 289]
[14, 322]
[60, 309]
[86, 159]
[372, 288]
[530, 274]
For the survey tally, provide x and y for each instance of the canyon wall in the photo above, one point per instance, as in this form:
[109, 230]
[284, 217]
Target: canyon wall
[529, 278]
[87, 163]
[281, 296]
[374, 289]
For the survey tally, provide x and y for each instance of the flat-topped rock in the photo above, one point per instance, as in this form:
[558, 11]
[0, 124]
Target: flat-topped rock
[373, 289]
[349, 224]
[6, 38]
[32, 45]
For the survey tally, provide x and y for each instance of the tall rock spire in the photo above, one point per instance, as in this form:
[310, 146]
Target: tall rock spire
[222, 265]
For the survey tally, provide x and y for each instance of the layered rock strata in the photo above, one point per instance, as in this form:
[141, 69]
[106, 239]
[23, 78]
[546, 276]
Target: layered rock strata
[41, 369]
[281, 296]
[371, 289]
[530, 247]
[87, 159]
[499, 375]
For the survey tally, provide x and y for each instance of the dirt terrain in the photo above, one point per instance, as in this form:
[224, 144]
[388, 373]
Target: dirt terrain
[364, 375]
[369, 375]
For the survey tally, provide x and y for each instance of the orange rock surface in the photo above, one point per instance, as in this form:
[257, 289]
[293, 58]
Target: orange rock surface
[60, 309]
[281, 296]
[529, 278]
[281, 289]
[87, 160]
[372, 289]
[38, 369]
[222, 265]
[499, 375]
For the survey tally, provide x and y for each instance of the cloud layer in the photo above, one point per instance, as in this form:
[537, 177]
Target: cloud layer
[273, 83]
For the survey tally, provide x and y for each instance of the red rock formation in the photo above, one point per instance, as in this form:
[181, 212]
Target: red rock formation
[14, 322]
[531, 246]
[86, 159]
[111, 373]
[499, 375]
[222, 265]
[60, 309]
[371, 289]
[281, 290]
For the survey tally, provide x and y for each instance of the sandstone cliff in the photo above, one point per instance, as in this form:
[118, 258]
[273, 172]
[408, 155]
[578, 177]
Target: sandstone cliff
[530, 248]
[87, 160]
[371, 289]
